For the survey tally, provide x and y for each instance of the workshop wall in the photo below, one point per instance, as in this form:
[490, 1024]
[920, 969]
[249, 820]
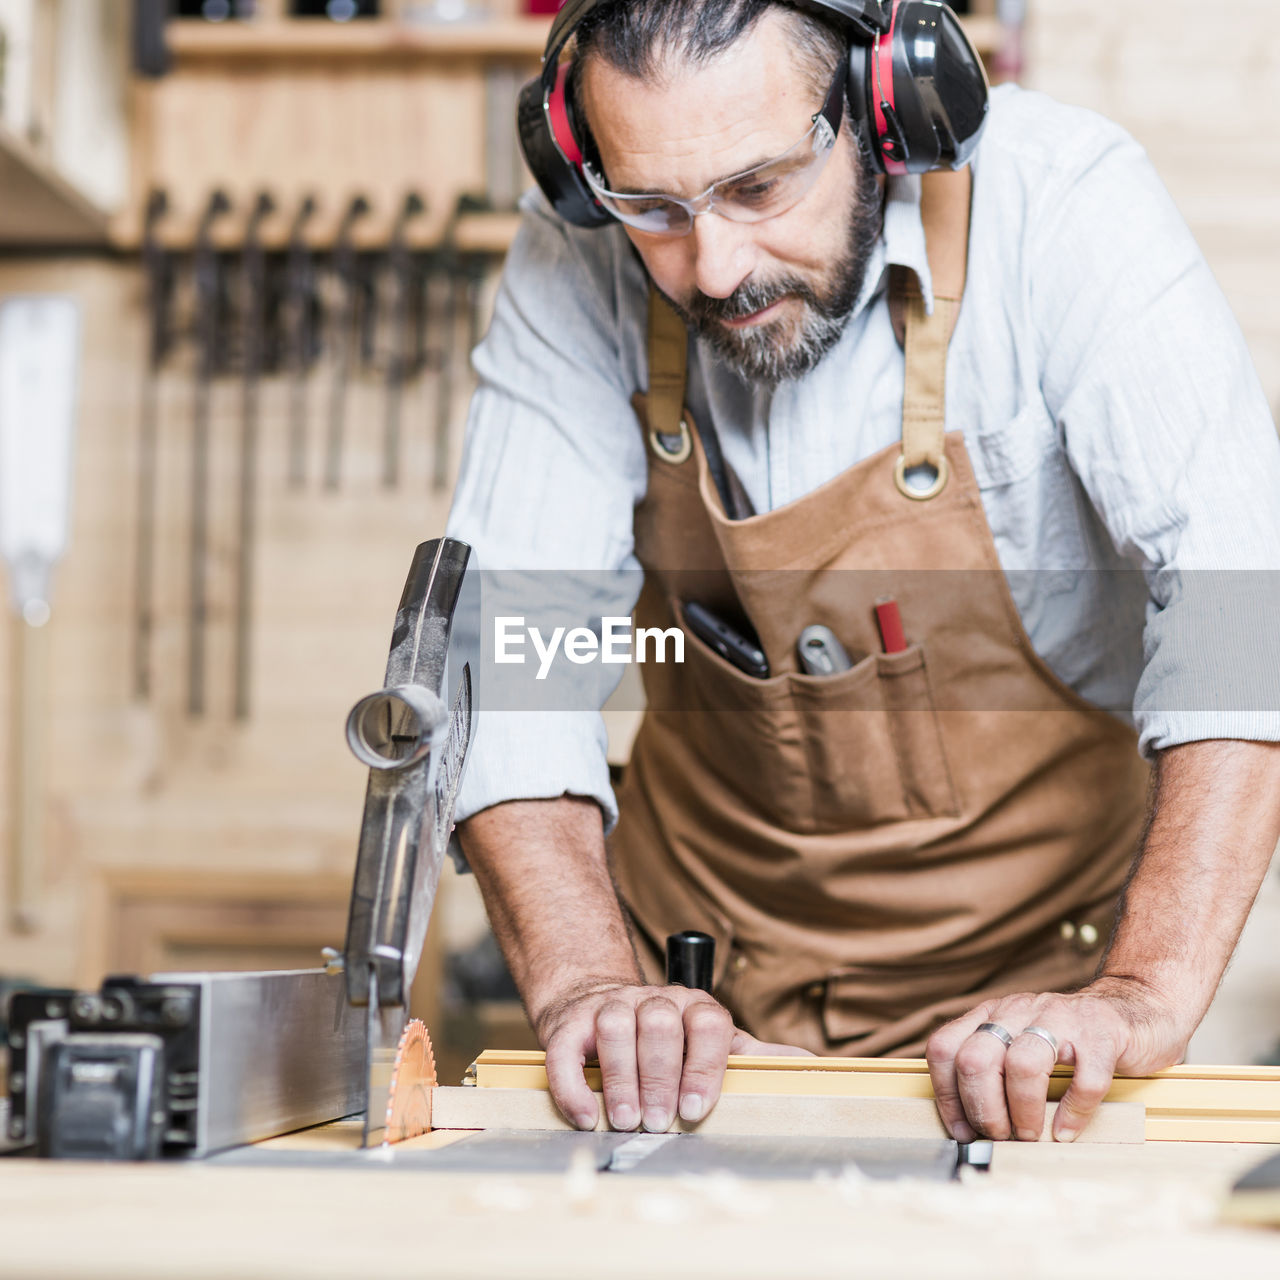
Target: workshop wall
[1203, 98]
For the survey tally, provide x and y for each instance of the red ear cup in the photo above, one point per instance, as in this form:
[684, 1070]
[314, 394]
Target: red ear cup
[557, 104]
[891, 145]
[919, 91]
[544, 126]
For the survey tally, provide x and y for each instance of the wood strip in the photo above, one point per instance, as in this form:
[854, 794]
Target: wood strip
[1183, 1104]
[893, 1066]
[1218, 1128]
[1167, 1095]
[465, 1107]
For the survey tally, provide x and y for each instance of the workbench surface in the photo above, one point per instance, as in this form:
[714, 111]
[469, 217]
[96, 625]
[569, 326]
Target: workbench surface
[1082, 1212]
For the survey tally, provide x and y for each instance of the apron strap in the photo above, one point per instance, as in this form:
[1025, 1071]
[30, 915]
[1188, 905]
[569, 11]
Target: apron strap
[944, 210]
[668, 367]
[670, 432]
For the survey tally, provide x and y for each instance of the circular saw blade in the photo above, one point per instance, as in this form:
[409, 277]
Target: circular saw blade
[413, 1076]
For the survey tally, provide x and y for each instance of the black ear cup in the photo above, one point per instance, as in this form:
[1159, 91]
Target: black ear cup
[919, 94]
[561, 179]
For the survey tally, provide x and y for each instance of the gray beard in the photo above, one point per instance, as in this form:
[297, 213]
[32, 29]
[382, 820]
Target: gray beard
[762, 353]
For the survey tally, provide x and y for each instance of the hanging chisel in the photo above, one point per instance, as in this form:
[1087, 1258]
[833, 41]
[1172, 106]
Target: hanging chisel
[158, 266]
[401, 269]
[345, 268]
[301, 307]
[207, 301]
[254, 282]
[447, 261]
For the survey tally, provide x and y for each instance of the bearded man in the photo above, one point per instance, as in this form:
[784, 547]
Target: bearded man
[922, 442]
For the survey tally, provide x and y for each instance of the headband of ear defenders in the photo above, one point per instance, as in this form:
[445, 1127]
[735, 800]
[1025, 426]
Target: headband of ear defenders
[867, 17]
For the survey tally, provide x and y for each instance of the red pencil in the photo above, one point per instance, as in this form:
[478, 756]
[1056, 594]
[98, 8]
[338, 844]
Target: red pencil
[889, 620]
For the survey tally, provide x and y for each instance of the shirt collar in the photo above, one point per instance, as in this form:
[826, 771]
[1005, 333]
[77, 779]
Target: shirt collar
[903, 232]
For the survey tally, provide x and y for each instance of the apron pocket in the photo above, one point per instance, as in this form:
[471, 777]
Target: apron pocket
[872, 744]
[747, 734]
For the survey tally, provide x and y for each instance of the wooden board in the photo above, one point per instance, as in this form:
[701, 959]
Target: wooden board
[759, 1115]
[1195, 1104]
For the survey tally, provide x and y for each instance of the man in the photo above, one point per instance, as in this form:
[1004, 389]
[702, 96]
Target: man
[925, 850]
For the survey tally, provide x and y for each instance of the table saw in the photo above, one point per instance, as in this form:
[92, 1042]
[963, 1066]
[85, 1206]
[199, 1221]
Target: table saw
[805, 1164]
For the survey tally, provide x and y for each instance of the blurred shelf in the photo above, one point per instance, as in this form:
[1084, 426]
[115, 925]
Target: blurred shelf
[488, 234]
[39, 206]
[193, 41]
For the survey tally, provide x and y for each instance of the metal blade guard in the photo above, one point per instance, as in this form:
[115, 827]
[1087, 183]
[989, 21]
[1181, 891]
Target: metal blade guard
[414, 735]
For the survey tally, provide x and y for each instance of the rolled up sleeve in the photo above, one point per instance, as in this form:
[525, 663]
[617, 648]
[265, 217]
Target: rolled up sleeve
[552, 468]
[1166, 424]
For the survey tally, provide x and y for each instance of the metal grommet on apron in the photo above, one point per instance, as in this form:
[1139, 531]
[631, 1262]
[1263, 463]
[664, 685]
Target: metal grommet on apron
[672, 448]
[922, 481]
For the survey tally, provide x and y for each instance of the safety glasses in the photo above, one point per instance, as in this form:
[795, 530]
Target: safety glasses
[762, 192]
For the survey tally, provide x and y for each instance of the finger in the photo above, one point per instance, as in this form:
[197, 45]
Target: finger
[1089, 1085]
[1027, 1067]
[567, 1053]
[659, 1055]
[708, 1033]
[940, 1053]
[616, 1050]
[979, 1067]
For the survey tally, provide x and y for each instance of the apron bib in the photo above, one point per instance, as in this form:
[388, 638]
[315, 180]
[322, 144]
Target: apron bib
[876, 851]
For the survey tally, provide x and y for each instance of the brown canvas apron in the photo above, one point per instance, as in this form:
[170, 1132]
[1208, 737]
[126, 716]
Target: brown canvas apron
[876, 851]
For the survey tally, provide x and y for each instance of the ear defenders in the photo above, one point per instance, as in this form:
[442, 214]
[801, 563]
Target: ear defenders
[917, 94]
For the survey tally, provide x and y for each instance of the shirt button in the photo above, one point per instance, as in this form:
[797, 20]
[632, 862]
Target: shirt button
[1088, 936]
[816, 990]
[739, 963]
[1066, 931]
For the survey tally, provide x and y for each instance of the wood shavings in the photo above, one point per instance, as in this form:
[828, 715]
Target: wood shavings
[500, 1196]
[980, 1202]
[580, 1180]
[664, 1209]
[731, 1195]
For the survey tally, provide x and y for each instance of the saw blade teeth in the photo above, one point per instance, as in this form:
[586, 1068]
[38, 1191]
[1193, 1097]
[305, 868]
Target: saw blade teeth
[413, 1076]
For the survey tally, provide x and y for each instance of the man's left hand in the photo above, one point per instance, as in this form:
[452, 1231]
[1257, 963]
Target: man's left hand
[983, 1088]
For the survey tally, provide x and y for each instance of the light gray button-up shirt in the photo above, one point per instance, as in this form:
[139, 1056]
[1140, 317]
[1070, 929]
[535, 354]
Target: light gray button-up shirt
[1106, 396]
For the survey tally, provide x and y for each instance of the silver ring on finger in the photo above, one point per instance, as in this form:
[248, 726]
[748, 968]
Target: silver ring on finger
[1046, 1035]
[1000, 1033]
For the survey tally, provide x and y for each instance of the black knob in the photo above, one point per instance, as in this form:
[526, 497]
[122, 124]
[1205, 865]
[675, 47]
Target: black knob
[691, 958]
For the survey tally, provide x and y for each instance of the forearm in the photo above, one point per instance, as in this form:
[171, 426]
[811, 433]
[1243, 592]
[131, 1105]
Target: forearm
[1214, 826]
[541, 867]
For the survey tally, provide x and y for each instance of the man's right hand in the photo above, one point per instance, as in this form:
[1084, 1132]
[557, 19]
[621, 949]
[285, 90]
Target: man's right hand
[662, 1052]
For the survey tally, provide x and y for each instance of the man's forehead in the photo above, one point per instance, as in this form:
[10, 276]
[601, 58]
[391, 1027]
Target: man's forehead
[697, 123]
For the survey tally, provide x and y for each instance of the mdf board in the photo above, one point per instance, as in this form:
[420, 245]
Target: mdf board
[761, 1115]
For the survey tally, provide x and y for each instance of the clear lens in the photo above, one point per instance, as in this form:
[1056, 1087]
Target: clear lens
[752, 196]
